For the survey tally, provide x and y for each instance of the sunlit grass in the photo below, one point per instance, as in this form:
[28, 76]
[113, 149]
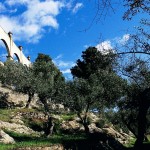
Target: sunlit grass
[131, 142]
[68, 117]
[23, 140]
[6, 114]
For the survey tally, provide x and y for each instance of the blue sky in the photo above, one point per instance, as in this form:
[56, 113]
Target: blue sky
[57, 28]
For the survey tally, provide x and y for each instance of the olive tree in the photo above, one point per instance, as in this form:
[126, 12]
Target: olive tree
[95, 84]
[48, 86]
[20, 77]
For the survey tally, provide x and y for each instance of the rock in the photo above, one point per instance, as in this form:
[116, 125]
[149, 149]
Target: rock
[60, 106]
[5, 138]
[56, 117]
[93, 128]
[57, 107]
[93, 117]
[35, 115]
[121, 137]
[15, 99]
[70, 126]
[18, 128]
[17, 119]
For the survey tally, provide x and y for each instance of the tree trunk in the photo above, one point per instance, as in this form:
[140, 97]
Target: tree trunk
[84, 123]
[144, 104]
[128, 126]
[30, 96]
[87, 130]
[49, 126]
[141, 127]
[44, 102]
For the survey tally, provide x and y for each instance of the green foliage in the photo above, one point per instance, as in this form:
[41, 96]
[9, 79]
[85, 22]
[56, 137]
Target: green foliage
[68, 117]
[95, 84]
[43, 78]
[35, 124]
[101, 123]
[18, 76]
[11, 72]
[49, 78]
[93, 60]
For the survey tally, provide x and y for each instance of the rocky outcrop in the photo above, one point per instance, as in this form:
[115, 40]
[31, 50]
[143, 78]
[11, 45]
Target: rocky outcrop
[18, 128]
[75, 126]
[12, 99]
[121, 137]
[5, 138]
[70, 126]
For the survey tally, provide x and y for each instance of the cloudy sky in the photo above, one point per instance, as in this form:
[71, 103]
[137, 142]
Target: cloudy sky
[62, 28]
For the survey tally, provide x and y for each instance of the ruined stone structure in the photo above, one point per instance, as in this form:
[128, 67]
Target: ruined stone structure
[12, 49]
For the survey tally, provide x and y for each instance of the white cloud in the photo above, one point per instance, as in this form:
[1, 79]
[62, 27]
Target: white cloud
[19, 2]
[67, 71]
[123, 39]
[13, 11]
[73, 6]
[29, 25]
[58, 57]
[64, 66]
[2, 8]
[77, 7]
[86, 46]
[69, 4]
[105, 47]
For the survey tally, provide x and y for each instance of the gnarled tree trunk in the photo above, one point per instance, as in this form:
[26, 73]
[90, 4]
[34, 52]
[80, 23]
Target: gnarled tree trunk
[30, 96]
[144, 104]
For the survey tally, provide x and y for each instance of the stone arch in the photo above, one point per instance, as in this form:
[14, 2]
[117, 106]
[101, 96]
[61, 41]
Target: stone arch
[12, 48]
[7, 47]
[17, 57]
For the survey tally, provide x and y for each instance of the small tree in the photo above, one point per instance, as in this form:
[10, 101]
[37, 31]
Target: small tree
[49, 79]
[20, 77]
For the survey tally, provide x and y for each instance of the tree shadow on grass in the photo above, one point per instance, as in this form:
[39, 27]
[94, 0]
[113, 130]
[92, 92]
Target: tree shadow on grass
[95, 141]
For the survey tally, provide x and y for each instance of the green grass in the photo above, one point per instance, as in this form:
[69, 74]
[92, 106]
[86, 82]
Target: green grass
[23, 140]
[6, 146]
[5, 114]
[68, 117]
[148, 136]
[131, 143]
[32, 143]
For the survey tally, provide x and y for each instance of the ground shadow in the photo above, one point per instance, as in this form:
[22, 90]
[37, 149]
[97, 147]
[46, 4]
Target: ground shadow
[95, 141]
